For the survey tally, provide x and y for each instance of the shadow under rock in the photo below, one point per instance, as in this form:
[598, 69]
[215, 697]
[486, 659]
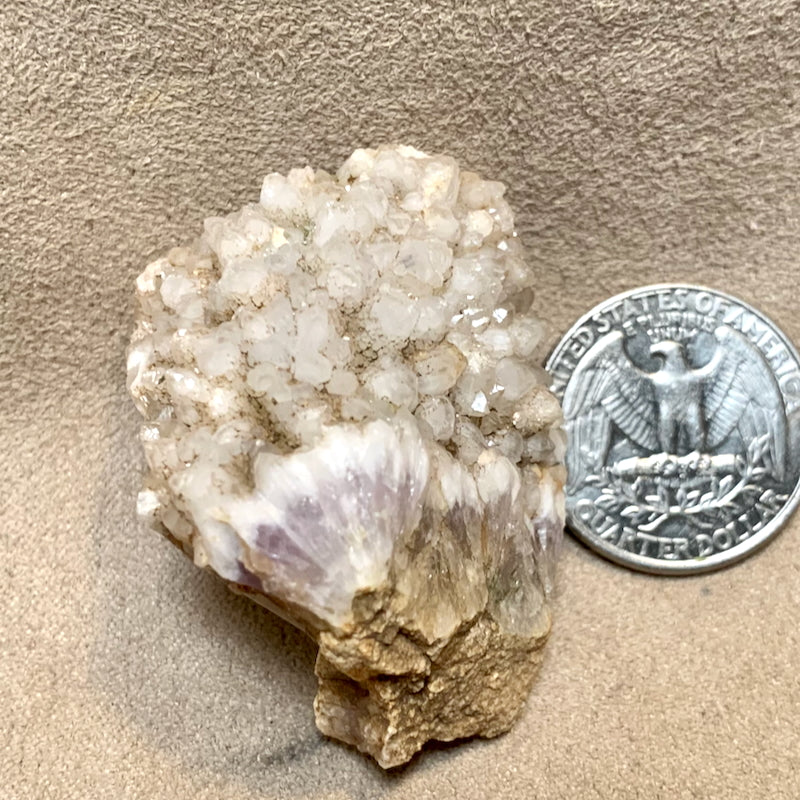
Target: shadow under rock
[203, 674]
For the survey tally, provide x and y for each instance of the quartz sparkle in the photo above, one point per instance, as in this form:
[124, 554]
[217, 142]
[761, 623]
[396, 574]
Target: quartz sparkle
[342, 420]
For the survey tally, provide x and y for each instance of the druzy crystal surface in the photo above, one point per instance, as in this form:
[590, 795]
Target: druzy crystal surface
[342, 420]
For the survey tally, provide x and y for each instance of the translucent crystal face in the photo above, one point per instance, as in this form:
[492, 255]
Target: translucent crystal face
[341, 408]
[395, 286]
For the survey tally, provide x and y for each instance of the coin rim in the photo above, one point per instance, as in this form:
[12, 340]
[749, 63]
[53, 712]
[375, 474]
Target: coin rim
[698, 565]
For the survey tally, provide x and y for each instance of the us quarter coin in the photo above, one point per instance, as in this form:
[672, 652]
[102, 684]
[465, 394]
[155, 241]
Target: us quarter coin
[682, 410]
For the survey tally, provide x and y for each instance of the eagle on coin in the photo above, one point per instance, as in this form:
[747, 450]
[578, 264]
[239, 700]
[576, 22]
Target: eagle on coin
[676, 410]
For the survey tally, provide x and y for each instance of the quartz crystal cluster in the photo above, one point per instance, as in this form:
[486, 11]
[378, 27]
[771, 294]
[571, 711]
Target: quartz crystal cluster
[343, 421]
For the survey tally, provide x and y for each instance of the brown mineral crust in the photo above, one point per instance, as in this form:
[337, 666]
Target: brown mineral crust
[342, 421]
[389, 696]
[385, 685]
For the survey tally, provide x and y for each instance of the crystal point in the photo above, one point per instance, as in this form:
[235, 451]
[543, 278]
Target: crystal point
[342, 421]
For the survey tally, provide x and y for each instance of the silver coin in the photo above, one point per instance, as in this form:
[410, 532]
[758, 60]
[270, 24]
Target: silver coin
[682, 410]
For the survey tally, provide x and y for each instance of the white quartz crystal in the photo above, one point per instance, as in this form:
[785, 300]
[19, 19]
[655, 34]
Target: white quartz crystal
[341, 419]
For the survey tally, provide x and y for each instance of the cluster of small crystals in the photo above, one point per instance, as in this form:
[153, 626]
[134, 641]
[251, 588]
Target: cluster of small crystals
[397, 284]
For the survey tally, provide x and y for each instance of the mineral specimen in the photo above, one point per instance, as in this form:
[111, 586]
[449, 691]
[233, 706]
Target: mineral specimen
[342, 420]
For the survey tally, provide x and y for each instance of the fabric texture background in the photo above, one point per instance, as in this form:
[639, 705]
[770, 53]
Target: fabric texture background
[641, 141]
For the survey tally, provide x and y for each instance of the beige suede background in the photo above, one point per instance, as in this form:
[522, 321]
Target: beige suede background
[642, 141]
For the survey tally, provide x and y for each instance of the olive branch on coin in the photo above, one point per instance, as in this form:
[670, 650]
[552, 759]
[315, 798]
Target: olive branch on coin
[666, 486]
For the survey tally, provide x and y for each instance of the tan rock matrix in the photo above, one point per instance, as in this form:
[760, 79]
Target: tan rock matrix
[342, 420]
